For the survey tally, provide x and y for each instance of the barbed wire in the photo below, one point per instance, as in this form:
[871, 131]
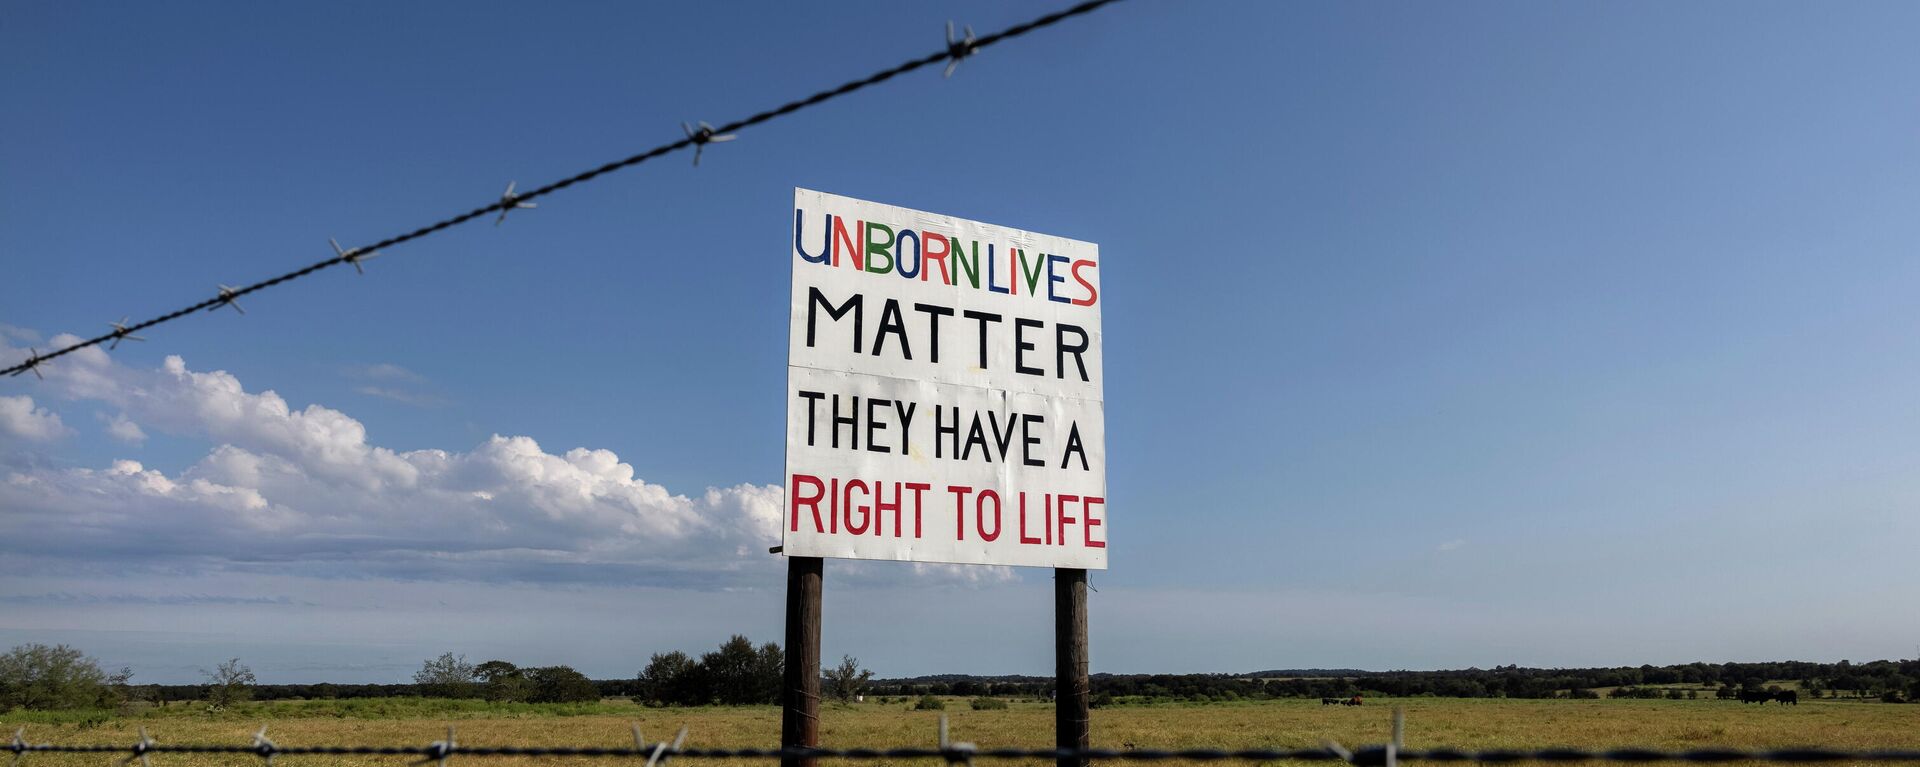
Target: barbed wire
[966, 753]
[1372, 756]
[953, 52]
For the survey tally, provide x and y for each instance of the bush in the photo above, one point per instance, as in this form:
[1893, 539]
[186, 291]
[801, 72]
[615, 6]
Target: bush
[36, 676]
[987, 704]
[929, 703]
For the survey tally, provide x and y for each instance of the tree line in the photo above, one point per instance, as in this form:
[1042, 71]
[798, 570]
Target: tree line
[738, 672]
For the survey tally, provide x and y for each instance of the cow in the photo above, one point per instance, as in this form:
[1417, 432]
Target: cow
[1787, 697]
[1755, 696]
[1353, 701]
[1329, 701]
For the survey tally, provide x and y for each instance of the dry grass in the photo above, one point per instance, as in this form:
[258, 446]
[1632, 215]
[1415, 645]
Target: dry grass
[1285, 724]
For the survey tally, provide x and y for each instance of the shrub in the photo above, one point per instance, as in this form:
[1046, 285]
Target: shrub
[929, 703]
[987, 704]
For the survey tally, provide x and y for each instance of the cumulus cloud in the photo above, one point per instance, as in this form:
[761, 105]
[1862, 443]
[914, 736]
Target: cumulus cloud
[302, 489]
[21, 420]
[121, 428]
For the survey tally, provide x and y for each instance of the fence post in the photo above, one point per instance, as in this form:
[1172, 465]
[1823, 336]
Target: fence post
[800, 690]
[1071, 721]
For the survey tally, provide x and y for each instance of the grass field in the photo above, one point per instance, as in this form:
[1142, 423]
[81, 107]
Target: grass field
[1284, 724]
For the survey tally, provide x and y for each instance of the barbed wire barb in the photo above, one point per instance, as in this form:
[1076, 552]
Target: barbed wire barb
[440, 750]
[659, 752]
[141, 749]
[958, 49]
[262, 746]
[509, 202]
[351, 255]
[227, 296]
[954, 753]
[702, 137]
[120, 333]
[32, 363]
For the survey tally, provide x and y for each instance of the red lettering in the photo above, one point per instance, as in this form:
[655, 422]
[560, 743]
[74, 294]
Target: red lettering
[959, 510]
[928, 257]
[1064, 519]
[980, 515]
[847, 505]
[880, 507]
[1092, 294]
[1024, 538]
[1092, 523]
[917, 488]
[841, 235]
[812, 502]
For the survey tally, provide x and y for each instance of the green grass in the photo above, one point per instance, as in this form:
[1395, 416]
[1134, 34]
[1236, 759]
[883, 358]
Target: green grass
[1472, 724]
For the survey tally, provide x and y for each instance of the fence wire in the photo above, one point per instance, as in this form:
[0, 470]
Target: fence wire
[952, 53]
[961, 753]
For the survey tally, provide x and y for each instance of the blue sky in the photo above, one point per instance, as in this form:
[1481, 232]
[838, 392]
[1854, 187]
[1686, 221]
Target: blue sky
[1437, 335]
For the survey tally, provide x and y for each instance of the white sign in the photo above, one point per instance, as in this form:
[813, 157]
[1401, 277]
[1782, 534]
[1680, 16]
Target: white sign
[943, 390]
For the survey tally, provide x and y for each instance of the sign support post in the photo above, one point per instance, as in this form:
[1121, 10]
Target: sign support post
[1072, 721]
[800, 688]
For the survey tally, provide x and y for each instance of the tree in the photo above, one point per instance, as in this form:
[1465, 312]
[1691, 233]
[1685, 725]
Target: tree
[731, 672]
[37, 676]
[560, 684]
[229, 684]
[848, 679]
[671, 679]
[448, 676]
[503, 682]
[770, 670]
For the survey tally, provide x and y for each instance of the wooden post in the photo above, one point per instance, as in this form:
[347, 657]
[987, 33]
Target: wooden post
[1071, 722]
[800, 692]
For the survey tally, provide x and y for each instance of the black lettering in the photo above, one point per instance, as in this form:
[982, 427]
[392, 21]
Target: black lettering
[934, 312]
[812, 398]
[1074, 446]
[1028, 441]
[851, 420]
[982, 318]
[874, 424]
[941, 428]
[975, 436]
[1062, 349]
[891, 322]
[815, 299]
[1021, 347]
[999, 438]
[906, 423]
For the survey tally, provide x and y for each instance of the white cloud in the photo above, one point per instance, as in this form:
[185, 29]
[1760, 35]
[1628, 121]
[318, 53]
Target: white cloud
[401, 396]
[386, 371]
[23, 334]
[121, 428]
[20, 419]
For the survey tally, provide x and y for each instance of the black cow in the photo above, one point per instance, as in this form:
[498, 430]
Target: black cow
[1329, 701]
[1755, 696]
[1787, 697]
